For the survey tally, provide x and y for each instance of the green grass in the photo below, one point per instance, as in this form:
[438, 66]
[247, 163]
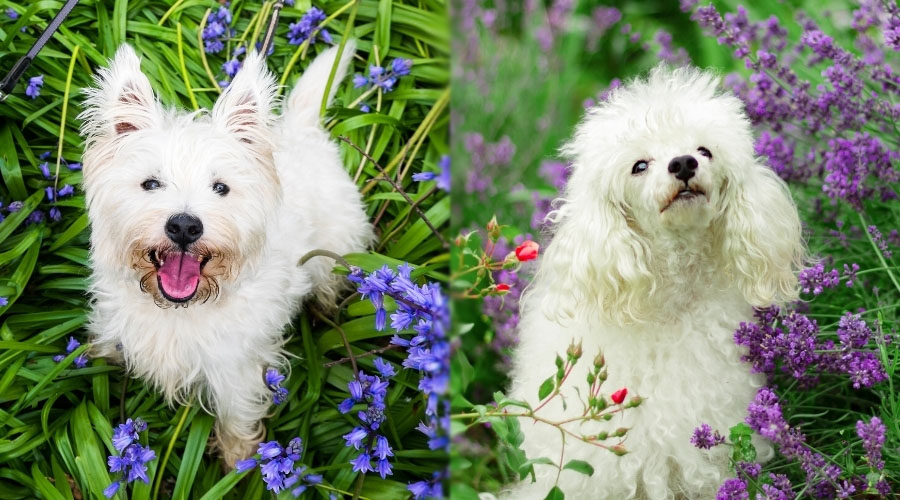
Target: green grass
[56, 420]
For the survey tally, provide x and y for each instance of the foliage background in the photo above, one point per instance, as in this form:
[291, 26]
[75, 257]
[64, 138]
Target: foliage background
[56, 420]
[523, 74]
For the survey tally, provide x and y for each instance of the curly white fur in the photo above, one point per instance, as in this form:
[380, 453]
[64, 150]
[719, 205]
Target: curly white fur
[659, 282]
[289, 194]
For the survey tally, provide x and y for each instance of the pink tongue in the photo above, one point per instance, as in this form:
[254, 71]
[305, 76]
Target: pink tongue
[179, 275]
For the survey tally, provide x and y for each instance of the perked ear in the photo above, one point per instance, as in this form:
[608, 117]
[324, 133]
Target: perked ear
[244, 109]
[596, 263]
[122, 102]
[761, 240]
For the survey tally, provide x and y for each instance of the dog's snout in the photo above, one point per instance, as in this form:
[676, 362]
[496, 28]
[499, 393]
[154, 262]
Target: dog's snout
[184, 229]
[683, 167]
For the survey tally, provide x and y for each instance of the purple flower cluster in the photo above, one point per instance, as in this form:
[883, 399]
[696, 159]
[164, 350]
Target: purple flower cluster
[307, 28]
[384, 78]
[280, 467]
[369, 390]
[273, 381]
[872, 436]
[483, 158]
[424, 310]
[33, 90]
[802, 352]
[854, 165]
[80, 361]
[217, 30]
[705, 438]
[131, 461]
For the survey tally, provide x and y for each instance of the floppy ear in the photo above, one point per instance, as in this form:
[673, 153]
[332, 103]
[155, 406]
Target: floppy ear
[122, 102]
[596, 263]
[761, 237]
[244, 109]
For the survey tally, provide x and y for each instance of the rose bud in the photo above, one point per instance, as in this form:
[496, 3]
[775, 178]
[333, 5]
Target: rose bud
[619, 396]
[528, 250]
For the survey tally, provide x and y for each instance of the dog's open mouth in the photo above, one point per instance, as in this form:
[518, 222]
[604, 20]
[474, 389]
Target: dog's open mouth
[686, 194]
[178, 274]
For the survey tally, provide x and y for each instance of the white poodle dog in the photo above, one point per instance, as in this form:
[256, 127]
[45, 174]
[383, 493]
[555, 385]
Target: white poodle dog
[198, 221]
[669, 233]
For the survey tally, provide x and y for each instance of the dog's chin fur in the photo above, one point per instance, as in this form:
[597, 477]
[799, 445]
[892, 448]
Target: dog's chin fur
[289, 194]
[657, 273]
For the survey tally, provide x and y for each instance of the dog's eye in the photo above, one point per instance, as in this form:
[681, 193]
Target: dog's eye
[221, 189]
[705, 152]
[150, 184]
[639, 167]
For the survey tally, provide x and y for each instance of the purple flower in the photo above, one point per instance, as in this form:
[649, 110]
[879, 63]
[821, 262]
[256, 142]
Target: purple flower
[10, 13]
[217, 31]
[872, 436]
[401, 67]
[45, 170]
[245, 465]
[132, 458]
[66, 190]
[55, 214]
[231, 67]
[4, 302]
[362, 463]
[704, 437]
[384, 368]
[15, 206]
[33, 90]
[308, 28]
[814, 279]
[733, 489]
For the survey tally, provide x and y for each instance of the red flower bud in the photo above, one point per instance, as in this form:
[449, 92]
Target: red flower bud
[528, 250]
[502, 287]
[619, 396]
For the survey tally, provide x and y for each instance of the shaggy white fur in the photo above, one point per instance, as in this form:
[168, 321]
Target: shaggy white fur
[657, 271]
[211, 330]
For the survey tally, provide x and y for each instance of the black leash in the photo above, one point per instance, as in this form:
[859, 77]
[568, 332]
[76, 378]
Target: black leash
[11, 78]
[270, 31]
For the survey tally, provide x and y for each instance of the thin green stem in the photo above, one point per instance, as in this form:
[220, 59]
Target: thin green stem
[162, 465]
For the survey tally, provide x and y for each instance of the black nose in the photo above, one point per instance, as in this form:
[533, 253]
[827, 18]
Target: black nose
[683, 167]
[184, 229]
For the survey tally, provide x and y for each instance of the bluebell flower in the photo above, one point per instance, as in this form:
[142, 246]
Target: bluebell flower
[384, 368]
[432, 488]
[424, 310]
[362, 463]
[231, 67]
[10, 13]
[401, 67]
[45, 169]
[217, 31]
[273, 381]
[55, 214]
[307, 26]
[4, 302]
[364, 108]
[443, 180]
[15, 206]
[51, 194]
[66, 190]
[132, 459]
[75, 166]
[360, 81]
[45, 155]
[281, 467]
[33, 90]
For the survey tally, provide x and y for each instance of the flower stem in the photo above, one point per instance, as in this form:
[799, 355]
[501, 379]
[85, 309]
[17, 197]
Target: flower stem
[162, 465]
[865, 225]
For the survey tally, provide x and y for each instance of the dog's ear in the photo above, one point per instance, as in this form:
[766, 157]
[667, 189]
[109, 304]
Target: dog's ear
[245, 108]
[122, 102]
[761, 239]
[596, 263]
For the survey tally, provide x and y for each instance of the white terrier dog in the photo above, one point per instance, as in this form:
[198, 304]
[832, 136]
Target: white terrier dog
[670, 232]
[198, 221]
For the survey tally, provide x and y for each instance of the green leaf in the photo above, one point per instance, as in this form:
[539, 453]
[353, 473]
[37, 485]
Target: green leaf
[580, 466]
[546, 388]
[555, 494]
[193, 454]
[527, 467]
